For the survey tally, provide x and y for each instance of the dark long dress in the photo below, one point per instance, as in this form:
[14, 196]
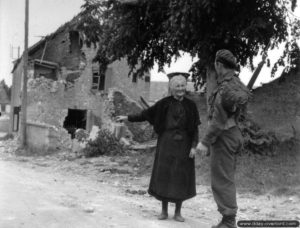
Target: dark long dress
[176, 123]
[173, 174]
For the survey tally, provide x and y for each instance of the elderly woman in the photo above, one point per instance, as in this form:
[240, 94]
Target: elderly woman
[175, 119]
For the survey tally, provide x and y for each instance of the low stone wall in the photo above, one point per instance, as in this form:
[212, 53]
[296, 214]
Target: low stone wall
[40, 137]
[4, 124]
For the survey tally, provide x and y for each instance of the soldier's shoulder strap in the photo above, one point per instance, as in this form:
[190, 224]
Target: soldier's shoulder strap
[212, 99]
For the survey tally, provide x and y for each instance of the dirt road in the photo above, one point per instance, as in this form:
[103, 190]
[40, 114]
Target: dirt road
[32, 196]
[60, 191]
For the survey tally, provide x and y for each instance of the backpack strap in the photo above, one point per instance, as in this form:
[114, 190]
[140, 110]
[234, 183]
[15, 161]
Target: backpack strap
[212, 100]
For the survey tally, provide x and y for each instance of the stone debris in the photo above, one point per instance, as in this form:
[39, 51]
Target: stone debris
[271, 214]
[116, 170]
[243, 209]
[94, 133]
[136, 192]
[4, 135]
[144, 146]
[89, 210]
[80, 141]
[255, 209]
[125, 142]
[119, 130]
[46, 95]
[10, 146]
[43, 84]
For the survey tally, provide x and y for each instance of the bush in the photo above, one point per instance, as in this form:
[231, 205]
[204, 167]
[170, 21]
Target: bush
[257, 141]
[81, 135]
[105, 143]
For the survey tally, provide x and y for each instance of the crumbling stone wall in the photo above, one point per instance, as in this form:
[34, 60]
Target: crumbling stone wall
[49, 100]
[44, 104]
[121, 104]
[79, 95]
[57, 49]
[276, 106]
[121, 80]
[45, 72]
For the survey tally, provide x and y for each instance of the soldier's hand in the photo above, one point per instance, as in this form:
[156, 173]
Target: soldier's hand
[202, 149]
[192, 153]
[121, 118]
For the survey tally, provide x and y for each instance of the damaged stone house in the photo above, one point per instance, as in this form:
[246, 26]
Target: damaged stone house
[4, 98]
[66, 90]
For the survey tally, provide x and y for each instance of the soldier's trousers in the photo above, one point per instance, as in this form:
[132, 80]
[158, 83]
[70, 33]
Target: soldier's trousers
[223, 163]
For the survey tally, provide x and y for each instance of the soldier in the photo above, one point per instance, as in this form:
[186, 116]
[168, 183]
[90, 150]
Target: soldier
[223, 136]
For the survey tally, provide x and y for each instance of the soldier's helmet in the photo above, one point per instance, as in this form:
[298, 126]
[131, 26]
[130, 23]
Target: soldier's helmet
[226, 58]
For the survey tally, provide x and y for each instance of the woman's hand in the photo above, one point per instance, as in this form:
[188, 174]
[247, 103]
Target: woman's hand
[192, 153]
[121, 118]
[202, 149]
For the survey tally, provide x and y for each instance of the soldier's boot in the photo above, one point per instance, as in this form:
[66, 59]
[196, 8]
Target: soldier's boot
[228, 221]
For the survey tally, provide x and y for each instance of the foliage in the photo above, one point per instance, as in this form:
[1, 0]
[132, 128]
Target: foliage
[256, 140]
[105, 143]
[146, 32]
[292, 54]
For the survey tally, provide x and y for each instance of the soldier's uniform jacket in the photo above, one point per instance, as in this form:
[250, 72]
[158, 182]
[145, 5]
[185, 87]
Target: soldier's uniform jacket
[224, 106]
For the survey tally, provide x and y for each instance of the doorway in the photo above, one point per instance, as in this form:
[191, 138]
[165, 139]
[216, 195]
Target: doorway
[75, 119]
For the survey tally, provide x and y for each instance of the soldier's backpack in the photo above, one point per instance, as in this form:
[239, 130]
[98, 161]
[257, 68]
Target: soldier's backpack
[234, 96]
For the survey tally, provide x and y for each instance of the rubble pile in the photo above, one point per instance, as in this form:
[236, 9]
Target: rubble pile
[10, 146]
[45, 102]
[120, 104]
[105, 143]
[97, 142]
[43, 84]
[62, 139]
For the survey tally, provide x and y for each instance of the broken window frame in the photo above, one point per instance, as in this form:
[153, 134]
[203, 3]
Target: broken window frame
[100, 84]
[75, 41]
[52, 67]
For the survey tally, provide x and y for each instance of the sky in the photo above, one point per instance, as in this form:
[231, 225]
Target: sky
[45, 16]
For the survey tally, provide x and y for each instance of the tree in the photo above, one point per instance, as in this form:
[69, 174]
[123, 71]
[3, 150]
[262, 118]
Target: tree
[6, 88]
[155, 31]
[152, 31]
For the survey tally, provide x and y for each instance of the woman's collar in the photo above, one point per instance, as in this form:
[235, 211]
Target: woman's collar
[180, 99]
